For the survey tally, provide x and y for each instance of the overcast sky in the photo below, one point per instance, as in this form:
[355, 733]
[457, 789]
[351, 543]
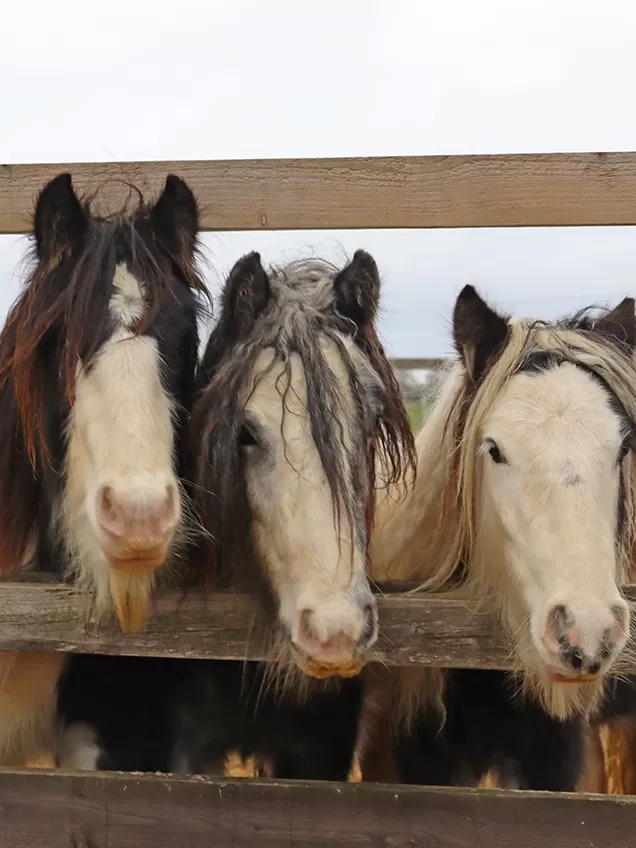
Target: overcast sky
[134, 79]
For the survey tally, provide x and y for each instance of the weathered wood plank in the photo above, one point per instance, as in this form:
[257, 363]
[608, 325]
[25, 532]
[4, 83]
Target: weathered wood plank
[75, 810]
[413, 629]
[219, 626]
[363, 193]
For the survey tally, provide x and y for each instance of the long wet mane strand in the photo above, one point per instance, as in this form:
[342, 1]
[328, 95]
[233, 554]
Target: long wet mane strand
[300, 314]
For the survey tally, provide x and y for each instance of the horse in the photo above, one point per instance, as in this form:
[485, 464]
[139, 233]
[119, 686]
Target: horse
[97, 369]
[524, 502]
[296, 399]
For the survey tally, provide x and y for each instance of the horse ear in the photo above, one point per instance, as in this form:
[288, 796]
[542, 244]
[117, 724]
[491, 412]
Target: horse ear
[478, 331]
[174, 219]
[59, 220]
[246, 293]
[357, 290]
[620, 323]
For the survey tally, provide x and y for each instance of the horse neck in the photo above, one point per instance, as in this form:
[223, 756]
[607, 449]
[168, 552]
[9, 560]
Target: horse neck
[414, 536]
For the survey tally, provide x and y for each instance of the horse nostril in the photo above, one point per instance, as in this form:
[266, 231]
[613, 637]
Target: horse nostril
[562, 618]
[557, 623]
[110, 515]
[583, 642]
[368, 627]
[576, 660]
[621, 616]
[370, 631]
[306, 630]
[167, 514]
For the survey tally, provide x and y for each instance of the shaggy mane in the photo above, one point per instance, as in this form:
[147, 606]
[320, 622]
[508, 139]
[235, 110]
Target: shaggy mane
[301, 312]
[62, 316]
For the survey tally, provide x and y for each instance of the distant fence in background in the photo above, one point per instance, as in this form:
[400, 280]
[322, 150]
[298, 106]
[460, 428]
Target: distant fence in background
[79, 810]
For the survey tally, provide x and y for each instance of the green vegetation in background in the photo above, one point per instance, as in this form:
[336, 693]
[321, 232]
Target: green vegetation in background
[414, 409]
[418, 411]
[419, 397]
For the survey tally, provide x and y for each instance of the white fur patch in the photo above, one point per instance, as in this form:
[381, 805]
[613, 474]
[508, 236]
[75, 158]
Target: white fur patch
[120, 434]
[79, 748]
[126, 303]
[310, 566]
[558, 540]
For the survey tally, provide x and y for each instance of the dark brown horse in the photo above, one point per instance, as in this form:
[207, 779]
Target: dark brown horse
[97, 364]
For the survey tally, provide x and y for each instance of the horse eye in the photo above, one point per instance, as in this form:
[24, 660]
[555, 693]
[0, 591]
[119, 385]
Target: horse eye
[495, 454]
[246, 438]
[381, 407]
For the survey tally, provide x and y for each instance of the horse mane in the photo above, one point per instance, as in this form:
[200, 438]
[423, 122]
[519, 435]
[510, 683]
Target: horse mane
[61, 317]
[430, 536]
[300, 310]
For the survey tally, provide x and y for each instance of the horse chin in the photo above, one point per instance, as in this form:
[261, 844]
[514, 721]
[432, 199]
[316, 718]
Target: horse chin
[131, 559]
[579, 680]
[322, 671]
[130, 590]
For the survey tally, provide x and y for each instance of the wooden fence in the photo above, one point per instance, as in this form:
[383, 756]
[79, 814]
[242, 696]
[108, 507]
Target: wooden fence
[78, 810]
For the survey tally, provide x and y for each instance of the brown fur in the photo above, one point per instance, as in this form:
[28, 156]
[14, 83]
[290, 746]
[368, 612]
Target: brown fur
[28, 689]
[595, 777]
[611, 762]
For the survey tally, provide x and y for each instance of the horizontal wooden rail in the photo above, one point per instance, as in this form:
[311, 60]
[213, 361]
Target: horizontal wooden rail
[562, 189]
[414, 630]
[116, 810]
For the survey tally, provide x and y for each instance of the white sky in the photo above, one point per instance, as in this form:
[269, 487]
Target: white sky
[241, 78]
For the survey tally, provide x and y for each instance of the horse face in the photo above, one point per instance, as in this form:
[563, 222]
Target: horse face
[123, 499]
[296, 401]
[312, 550]
[551, 438]
[552, 450]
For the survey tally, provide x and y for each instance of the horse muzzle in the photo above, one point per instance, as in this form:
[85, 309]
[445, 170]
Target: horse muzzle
[137, 558]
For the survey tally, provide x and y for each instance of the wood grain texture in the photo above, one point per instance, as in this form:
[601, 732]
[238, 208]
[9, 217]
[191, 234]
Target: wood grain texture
[73, 810]
[572, 189]
[413, 629]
